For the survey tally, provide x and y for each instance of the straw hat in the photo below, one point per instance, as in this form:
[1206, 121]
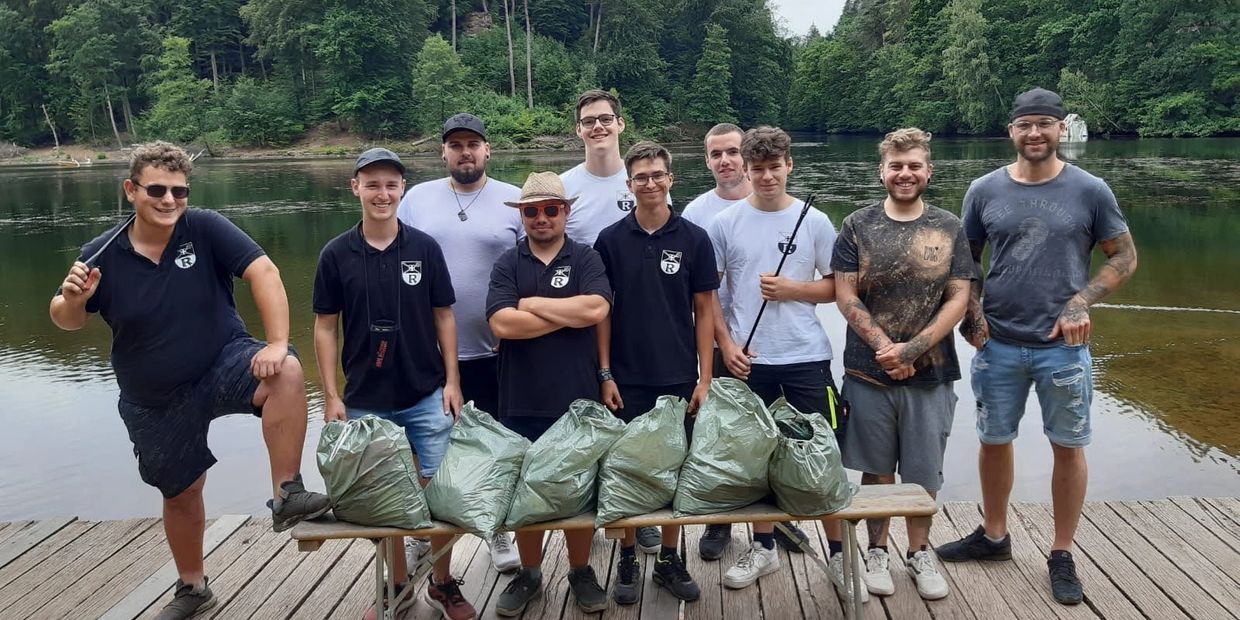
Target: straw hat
[542, 186]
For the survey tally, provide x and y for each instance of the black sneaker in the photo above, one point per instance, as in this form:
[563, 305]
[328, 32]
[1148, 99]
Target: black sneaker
[296, 504]
[1064, 585]
[649, 539]
[716, 538]
[590, 596]
[628, 588]
[790, 545]
[669, 572]
[520, 591]
[186, 601]
[976, 546]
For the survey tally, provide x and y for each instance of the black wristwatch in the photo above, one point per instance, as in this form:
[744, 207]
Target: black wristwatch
[604, 374]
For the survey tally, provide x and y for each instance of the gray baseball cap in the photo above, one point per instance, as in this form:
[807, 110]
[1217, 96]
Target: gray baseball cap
[467, 122]
[375, 156]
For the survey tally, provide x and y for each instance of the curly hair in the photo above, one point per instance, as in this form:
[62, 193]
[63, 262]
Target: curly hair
[905, 139]
[766, 143]
[159, 154]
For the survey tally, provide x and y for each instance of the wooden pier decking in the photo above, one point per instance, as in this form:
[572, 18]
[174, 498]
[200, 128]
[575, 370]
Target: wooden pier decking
[1173, 558]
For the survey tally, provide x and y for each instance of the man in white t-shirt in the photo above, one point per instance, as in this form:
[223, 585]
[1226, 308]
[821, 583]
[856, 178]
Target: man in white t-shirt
[723, 158]
[465, 213]
[603, 197]
[790, 355]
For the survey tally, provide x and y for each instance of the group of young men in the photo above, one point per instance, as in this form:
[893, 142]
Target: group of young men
[591, 285]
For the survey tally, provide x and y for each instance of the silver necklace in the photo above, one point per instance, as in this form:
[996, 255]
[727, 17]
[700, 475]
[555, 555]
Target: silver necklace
[461, 211]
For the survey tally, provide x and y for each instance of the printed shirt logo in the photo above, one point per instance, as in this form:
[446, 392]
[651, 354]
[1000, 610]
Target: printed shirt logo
[186, 256]
[784, 243]
[560, 278]
[411, 272]
[625, 200]
[671, 262]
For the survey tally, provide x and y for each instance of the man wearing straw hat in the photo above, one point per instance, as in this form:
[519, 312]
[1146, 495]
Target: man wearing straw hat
[546, 295]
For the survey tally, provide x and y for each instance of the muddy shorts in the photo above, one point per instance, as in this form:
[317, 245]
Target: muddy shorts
[898, 427]
[170, 440]
[1061, 376]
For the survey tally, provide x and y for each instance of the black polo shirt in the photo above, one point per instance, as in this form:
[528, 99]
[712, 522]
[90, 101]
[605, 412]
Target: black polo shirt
[542, 376]
[401, 284]
[170, 320]
[654, 277]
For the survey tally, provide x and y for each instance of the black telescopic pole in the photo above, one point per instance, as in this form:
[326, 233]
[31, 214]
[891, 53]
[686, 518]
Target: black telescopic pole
[90, 262]
[809, 203]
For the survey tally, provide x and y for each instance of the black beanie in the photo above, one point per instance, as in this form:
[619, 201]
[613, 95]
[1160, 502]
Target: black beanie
[1038, 101]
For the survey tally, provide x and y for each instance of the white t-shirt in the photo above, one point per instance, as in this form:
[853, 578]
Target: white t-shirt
[601, 202]
[704, 208]
[749, 242]
[470, 247]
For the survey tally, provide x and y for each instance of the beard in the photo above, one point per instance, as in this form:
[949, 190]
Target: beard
[1031, 155]
[468, 177]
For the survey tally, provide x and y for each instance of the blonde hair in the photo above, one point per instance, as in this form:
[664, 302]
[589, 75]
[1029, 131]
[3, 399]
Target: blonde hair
[905, 139]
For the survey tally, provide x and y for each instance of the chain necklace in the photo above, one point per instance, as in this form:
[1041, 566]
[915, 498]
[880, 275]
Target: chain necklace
[461, 211]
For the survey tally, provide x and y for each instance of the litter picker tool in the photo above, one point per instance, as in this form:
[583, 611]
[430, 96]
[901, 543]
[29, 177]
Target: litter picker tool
[788, 247]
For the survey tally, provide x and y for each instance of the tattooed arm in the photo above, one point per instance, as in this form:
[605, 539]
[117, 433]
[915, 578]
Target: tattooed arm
[974, 327]
[955, 300]
[1074, 324]
[855, 312]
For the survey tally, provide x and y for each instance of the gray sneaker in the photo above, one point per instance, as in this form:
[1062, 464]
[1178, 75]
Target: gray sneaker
[590, 596]
[186, 601]
[296, 504]
[649, 539]
[520, 591]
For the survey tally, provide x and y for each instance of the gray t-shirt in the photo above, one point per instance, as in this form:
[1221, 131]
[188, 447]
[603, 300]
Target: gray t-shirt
[902, 271]
[1040, 236]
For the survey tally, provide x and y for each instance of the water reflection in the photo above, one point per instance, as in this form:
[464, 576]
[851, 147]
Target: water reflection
[1165, 415]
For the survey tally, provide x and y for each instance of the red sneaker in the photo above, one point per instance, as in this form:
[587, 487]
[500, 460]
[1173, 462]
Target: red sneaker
[447, 598]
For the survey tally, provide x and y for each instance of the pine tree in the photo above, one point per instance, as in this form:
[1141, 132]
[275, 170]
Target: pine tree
[710, 96]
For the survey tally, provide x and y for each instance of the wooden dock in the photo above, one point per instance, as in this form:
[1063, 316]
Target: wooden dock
[1174, 558]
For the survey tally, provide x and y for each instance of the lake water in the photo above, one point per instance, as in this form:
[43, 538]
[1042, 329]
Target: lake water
[1166, 347]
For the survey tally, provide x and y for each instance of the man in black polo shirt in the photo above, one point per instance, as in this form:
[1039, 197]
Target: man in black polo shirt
[391, 283]
[163, 281]
[662, 269]
[546, 296]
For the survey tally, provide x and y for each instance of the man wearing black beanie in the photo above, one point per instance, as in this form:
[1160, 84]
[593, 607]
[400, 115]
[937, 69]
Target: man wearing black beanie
[1042, 218]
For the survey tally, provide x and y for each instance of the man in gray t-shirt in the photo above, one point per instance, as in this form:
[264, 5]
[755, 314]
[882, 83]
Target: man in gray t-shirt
[1042, 218]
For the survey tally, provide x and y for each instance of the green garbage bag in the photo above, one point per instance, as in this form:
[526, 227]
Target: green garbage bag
[368, 468]
[733, 439]
[806, 473]
[560, 470]
[638, 474]
[474, 484]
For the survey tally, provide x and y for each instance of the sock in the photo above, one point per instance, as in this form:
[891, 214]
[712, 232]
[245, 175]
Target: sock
[994, 540]
[835, 546]
[767, 539]
[534, 571]
[667, 552]
[873, 546]
[630, 551]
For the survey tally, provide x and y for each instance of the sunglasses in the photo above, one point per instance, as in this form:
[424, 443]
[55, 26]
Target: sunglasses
[532, 211]
[155, 190]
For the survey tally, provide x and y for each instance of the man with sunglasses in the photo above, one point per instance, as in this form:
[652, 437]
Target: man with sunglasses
[1042, 217]
[391, 284]
[465, 213]
[599, 183]
[182, 355]
[660, 335]
[546, 297]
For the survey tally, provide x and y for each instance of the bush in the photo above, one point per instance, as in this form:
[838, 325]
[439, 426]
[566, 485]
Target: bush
[510, 123]
[258, 113]
[101, 155]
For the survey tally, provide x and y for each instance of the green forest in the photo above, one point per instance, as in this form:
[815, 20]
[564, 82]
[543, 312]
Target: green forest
[267, 72]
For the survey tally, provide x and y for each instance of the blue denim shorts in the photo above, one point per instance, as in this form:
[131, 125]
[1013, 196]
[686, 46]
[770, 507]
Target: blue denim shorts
[1061, 376]
[426, 425]
[170, 441]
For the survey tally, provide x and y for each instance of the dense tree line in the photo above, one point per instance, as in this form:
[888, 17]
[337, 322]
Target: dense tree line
[264, 72]
[1153, 67]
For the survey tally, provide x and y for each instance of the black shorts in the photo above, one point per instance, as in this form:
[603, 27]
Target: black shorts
[480, 382]
[529, 427]
[807, 386]
[639, 399]
[170, 440]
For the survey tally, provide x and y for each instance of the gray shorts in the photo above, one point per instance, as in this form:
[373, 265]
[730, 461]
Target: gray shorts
[902, 426]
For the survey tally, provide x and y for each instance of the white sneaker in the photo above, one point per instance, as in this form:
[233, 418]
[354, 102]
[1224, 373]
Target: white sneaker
[930, 582]
[877, 575]
[837, 576]
[503, 555]
[416, 549]
[754, 562]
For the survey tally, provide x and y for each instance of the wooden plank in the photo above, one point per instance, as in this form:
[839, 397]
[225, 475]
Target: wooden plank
[337, 580]
[144, 562]
[463, 553]
[9, 529]
[230, 584]
[1159, 571]
[656, 602]
[54, 570]
[973, 583]
[24, 540]
[1188, 556]
[487, 611]
[481, 579]
[777, 591]
[1208, 520]
[361, 595]
[1224, 516]
[1101, 594]
[604, 554]
[814, 589]
[268, 578]
[906, 602]
[161, 580]
[300, 582]
[1231, 505]
[555, 582]
[92, 583]
[1222, 550]
[708, 575]
[1026, 599]
[743, 604]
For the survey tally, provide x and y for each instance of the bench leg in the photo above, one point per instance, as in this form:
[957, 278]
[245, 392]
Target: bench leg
[852, 572]
[381, 554]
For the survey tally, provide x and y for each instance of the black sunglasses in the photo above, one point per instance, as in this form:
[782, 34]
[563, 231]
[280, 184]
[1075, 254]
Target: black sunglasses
[532, 212]
[155, 190]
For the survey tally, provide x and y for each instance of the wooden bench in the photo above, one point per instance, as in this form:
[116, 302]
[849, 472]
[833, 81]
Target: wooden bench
[871, 502]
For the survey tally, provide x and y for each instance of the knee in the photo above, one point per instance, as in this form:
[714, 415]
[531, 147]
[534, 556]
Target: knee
[189, 498]
[291, 373]
[1067, 455]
